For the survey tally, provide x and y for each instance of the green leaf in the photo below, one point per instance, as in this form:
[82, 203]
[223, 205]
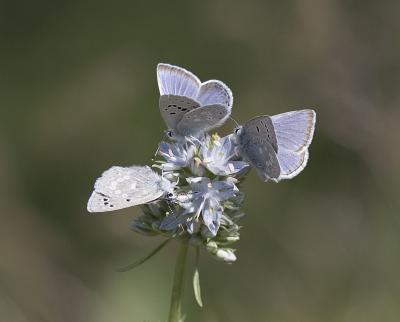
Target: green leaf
[144, 259]
[196, 281]
[196, 287]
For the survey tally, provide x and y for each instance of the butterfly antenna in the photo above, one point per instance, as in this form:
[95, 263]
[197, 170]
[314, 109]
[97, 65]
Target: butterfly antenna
[234, 121]
[158, 148]
[155, 153]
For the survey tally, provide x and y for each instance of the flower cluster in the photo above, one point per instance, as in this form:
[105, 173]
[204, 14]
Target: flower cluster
[205, 205]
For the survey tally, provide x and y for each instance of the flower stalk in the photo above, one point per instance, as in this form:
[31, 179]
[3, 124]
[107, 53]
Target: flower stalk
[175, 312]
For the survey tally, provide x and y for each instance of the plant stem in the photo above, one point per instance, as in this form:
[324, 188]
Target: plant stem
[175, 311]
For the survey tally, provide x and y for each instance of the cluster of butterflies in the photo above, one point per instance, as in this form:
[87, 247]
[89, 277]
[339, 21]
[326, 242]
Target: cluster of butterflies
[276, 146]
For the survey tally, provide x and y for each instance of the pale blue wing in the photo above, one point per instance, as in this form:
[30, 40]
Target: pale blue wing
[291, 163]
[174, 80]
[294, 130]
[122, 187]
[215, 92]
[203, 119]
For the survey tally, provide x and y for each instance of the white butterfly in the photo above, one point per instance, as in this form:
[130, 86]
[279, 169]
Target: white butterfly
[189, 107]
[277, 146]
[122, 187]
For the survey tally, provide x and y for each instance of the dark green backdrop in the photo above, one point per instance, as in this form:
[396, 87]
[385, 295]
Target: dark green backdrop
[79, 94]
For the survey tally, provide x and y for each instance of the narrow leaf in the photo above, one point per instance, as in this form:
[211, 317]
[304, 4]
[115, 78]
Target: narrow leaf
[144, 259]
[196, 287]
[196, 280]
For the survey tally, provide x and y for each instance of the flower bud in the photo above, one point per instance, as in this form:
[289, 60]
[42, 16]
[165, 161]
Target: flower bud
[226, 255]
[212, 247]
[229, 240]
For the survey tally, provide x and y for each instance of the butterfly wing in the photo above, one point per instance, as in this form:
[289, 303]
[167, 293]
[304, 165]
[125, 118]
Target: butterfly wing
[182, 93]
[291, 163]
[261, 127]
[173, 108]
[215, 92]
[203, 119]
[122, 187]
[294, 130]
[258, 143]
[174, 80]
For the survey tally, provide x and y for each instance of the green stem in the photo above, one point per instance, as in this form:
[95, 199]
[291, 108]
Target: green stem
[175, 311]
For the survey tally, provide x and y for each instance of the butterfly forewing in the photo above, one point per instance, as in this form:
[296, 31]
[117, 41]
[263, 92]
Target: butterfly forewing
[261, 127]
[173, 108]
[257, 142]
[174, 80]
[294, 130]
[122, 187]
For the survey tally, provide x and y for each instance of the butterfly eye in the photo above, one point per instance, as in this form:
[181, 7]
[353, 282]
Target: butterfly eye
[237, 130]
[170, 133]
[170, 195]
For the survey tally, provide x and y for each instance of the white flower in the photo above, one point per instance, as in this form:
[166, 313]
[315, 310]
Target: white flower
[218, 156]
[177, 155]
[181, 218]
[207, 198]
[202, 202]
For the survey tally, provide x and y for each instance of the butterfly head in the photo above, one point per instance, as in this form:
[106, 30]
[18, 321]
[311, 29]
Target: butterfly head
[170, 196]
[238, 130]
[171, 134]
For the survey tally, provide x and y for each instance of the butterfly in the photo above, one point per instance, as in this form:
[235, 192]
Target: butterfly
[188, 106]
[277, 146]
[123, 187]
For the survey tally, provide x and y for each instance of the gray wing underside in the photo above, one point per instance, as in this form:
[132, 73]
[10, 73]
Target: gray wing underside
[203, 119]
[261, 127]
[174, 107]
[122, 187]
[262, 156]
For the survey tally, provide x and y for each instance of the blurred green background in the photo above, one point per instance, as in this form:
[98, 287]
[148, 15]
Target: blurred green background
[79, 94]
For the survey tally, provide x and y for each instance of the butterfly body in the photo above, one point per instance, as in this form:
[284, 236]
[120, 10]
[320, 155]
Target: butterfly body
[189, 107]
[122, 187]
[277, 146]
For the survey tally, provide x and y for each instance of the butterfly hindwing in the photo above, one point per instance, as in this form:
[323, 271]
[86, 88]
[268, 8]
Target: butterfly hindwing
[203, 119]
[258, 143]
[174, 80]
[173, 108]
[291, 163]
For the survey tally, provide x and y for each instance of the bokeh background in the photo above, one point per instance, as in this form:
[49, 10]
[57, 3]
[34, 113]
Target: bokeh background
[79, 94]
